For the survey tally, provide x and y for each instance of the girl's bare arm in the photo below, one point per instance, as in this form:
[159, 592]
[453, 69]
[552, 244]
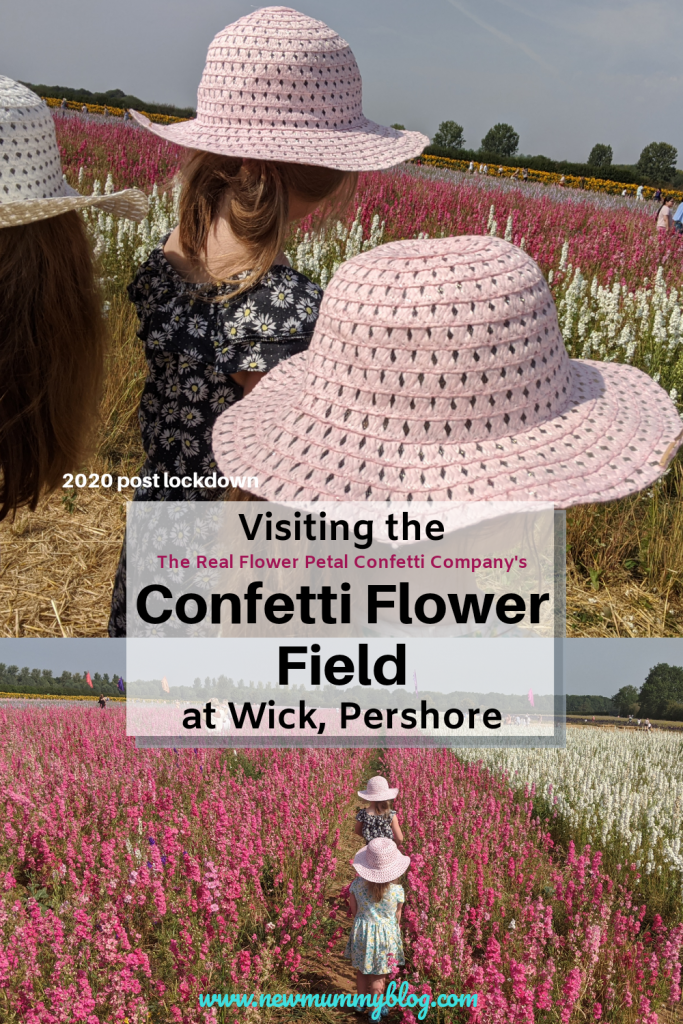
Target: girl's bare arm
[358, 829]
[353, 906]
[399, 911]
[247, 379]
[396, 829]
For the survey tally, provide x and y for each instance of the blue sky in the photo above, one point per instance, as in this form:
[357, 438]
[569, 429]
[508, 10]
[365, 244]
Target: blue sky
[591, 666]
[565, 73]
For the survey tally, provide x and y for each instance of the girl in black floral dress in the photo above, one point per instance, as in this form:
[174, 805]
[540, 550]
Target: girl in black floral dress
[379, 821]
[219, 306]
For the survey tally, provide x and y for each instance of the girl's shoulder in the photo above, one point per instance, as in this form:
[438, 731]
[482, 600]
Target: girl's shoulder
[361, 813]
[356, 885]
[398, 892]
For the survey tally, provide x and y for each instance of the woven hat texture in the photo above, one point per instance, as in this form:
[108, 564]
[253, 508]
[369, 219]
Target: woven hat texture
[381, 861]
[32, 185]
[278, 85]
[437, 371]
[378, 789]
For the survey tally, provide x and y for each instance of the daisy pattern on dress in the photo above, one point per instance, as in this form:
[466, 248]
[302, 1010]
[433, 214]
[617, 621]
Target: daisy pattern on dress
[292, 326]
[195, 389]
[189, 417]
[255, 364]
[307, 310]
[221, 399]
[196, 326]
[265, 325]
[196, 337]
[246, 313]
[282, 297]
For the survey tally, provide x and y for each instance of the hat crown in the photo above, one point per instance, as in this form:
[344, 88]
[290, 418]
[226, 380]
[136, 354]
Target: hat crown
[30, 164]
[436, 341]
[17, 102]
[377, 784]
[278, 68]
[382, 854]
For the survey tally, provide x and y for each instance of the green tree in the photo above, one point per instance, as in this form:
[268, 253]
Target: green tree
[658, 162]
[625, 701]
[600, 157]
[663, 686]
[399, 127]
[502, 140]
[450, 135]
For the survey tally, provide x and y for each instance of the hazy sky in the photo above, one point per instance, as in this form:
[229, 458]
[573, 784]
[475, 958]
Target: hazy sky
[591, 666]
[565, 73]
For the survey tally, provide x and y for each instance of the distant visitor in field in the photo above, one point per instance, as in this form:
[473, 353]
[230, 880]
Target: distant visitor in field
[437, 371]
[380, 819]
[665, 216]
[279, 134]
[52, 333]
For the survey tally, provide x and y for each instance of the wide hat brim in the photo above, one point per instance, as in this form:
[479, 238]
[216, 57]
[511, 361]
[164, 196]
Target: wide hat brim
[398, 867]
[387, 794]
[617, 436]
[366, 146]
[130, 203]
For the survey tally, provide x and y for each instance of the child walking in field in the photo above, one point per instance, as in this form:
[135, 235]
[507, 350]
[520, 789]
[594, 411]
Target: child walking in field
[379, 820]
[376, 901]
[279, 134]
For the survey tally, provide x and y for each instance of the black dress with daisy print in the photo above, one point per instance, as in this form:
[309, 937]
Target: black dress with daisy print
[194, 339]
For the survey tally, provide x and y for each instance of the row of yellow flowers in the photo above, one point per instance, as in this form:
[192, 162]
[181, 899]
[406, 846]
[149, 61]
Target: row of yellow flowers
[550, 177]
[54, 696]
[95, 108]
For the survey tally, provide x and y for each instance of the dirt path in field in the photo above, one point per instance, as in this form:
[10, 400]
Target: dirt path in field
[334, 973]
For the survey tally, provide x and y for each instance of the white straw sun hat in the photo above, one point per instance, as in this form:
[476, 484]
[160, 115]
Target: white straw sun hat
[32, 185]
[278, 85]
[378, 789]
[381, 861]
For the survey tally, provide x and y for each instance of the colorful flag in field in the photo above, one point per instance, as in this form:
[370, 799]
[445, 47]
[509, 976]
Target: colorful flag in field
[164, 685]
[120, 684]
[531, 698]
[415, 680]
[88, 679]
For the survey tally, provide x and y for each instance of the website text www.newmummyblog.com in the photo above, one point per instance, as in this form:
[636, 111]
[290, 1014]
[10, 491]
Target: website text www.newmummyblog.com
[402, 998]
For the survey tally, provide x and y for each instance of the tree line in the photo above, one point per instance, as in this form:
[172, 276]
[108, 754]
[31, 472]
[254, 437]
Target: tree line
[111, 98]
[656, 164]
[68, 684]
[660, 696]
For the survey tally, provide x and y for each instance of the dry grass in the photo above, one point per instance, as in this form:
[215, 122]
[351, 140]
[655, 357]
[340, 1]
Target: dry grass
[624, 560]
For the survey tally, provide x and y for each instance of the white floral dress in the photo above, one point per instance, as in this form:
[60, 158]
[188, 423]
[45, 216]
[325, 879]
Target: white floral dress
[375, 945]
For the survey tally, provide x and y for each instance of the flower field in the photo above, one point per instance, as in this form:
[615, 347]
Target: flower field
[131, 881]
[548, 177]
[619, 791]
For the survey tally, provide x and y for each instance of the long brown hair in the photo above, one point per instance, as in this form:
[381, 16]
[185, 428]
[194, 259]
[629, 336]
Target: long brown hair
[255, 202]
[52, 344]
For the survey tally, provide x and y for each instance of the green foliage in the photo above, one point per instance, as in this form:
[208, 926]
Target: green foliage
[600, 157]
[450, 134]
[398, 127]
[111, 98]
[502, 140]
[658, 162]
[625, 701]
[589, 705]
[662, 687]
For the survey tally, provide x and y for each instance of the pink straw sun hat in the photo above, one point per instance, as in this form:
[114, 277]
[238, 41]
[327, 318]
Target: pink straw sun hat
[437, 371]
[278, 85]
[377, 789]
[381, 861]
